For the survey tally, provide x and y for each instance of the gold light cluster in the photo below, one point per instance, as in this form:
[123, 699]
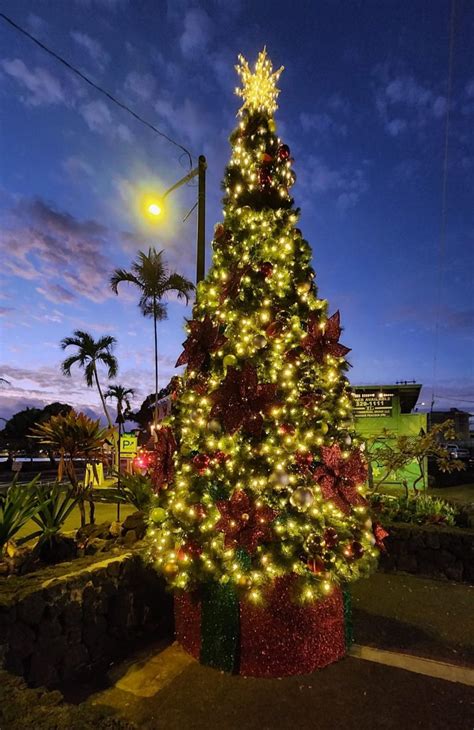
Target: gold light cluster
[259, 87]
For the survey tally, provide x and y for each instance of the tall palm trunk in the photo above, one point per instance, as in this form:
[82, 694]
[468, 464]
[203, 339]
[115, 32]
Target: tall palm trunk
[155, 413]
[107, 415]
[104, 405]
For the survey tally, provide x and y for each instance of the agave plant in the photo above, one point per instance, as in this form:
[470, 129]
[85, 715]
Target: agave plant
[73, 436]
[18, 505]
[56, 506]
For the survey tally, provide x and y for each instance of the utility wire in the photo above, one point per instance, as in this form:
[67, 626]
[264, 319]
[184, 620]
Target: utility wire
[89, 81]
[442, 234]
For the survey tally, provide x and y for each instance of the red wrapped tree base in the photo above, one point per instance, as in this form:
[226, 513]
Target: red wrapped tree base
[277, 639]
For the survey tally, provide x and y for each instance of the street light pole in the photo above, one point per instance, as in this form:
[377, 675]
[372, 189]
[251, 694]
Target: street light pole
[154, 209]
[201, 220]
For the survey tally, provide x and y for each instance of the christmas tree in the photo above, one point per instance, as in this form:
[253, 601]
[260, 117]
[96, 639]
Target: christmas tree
[260, 475]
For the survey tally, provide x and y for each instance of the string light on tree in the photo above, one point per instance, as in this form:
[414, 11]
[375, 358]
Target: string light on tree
[267, 477]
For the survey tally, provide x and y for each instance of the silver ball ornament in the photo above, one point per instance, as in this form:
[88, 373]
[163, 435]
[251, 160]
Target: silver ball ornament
[302, 498]
[259, 341]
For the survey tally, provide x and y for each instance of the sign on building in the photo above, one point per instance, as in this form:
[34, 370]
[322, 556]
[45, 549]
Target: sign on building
[373, 404]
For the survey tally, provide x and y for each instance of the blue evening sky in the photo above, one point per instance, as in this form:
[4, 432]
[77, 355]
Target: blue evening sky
[363, 108]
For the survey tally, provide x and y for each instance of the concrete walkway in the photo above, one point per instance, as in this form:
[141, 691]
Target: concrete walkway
[165, 689]
[170, 691]
[407, 613]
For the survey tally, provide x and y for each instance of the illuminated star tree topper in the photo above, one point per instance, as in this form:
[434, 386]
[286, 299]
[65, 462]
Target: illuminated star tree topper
[259, 87]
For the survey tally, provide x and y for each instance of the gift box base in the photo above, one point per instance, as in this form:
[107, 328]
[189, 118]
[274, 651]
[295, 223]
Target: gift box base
[276, 639]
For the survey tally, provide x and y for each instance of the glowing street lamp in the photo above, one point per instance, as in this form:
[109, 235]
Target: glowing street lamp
[154, 208]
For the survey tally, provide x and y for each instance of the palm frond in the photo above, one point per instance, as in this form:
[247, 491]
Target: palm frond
[67, 364]
[122, 275]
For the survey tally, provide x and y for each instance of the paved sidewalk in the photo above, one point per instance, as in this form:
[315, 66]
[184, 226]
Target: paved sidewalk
[171, 691]
[407, 613]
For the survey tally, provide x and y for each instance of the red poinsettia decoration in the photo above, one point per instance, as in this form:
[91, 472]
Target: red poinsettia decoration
[202, 462]
[241, 400]
[319, 342]
[339, 477]
[163, 465]
[232, 285]
[204, 337]
[244, 524]
[380, 534]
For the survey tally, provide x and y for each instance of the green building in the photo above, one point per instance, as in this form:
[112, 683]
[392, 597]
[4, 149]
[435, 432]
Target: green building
[391, 407]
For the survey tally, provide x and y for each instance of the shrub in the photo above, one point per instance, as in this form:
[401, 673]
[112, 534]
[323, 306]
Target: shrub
[134, 489]
[19, 504]
[419, 509]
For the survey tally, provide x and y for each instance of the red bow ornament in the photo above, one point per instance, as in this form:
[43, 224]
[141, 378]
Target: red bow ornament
[339, 477]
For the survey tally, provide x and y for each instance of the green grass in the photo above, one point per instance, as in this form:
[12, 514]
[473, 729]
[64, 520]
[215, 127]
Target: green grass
[104, 512]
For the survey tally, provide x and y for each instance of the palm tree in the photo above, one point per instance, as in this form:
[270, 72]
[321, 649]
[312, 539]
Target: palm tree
[89, 353]
[154, 281]
[122, 395]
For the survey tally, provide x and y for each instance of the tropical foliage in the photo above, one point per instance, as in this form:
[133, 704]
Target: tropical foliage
[122, 396]
[389, 452]
[135, 489]
[15, 435]
[150, 274]
[73, 436]
[417, 508]
[89, 353]
[56, 504]
[18, 505]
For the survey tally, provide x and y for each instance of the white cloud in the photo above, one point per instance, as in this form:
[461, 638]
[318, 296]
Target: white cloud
[36, 24]
[141, 85]
[405, 104]
[331, 118]
[396, 126]
[346, 184]
[98, 118]
[196, 34]
[66, 256]
[41, 86]
[77, 167]
[93, 48]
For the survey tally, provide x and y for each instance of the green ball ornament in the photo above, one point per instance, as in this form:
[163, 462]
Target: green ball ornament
[158, 515]
[229, 361]
[323, 427]
[302, 498]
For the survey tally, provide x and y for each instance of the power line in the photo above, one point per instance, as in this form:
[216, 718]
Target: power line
[89, 81]
[442, 233]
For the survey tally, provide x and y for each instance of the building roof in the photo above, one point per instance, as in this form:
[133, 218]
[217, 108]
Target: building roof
[408, 393]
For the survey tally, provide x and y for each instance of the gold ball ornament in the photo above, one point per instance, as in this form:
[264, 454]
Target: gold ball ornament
[304, 287]
[170, 569]
[214, 426]
[302, 498]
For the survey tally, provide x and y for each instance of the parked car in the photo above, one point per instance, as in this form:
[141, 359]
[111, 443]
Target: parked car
[457, 452]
